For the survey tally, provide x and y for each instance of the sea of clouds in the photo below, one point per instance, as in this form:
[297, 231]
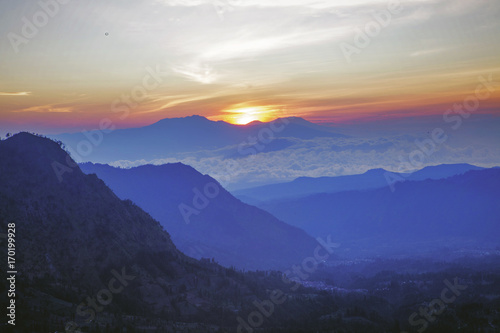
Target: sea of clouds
[293, 158]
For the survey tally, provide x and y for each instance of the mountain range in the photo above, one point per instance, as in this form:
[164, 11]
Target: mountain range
[88, 261]
[204, 219]
[190, 134]
[371, 179]
[428, 215]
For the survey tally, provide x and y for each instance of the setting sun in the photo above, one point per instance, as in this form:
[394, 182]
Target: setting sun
[245, 115]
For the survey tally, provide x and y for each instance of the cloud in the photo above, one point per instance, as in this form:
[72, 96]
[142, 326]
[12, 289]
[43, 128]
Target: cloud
[251, 47]
[428, 52]
[21, 93]
[50, 108]
[201, 74]
[284, 52]
[324, 157]
[282, 3]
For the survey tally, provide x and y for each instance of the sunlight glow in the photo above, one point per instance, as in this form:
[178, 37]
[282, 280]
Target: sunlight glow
[245, 115]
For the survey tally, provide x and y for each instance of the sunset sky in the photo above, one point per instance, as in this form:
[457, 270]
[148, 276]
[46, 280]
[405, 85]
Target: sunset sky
[240, 60]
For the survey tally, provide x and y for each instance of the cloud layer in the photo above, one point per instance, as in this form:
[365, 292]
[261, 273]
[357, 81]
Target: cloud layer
[319, 157]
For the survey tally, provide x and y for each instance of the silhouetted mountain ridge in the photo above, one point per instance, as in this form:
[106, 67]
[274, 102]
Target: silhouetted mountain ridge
[462, 209]
[375, 178]
[181, 135]
[72, 234]
[236, 234]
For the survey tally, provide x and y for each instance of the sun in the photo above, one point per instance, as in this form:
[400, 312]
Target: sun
[245, 115]
[244, 119]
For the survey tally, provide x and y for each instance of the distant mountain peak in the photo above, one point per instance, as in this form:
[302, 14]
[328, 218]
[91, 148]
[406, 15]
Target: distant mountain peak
[448, 165]
[375, 171]
[255, 122]
[202, 119]
[187, 135]
[189, 119]
[296, 119]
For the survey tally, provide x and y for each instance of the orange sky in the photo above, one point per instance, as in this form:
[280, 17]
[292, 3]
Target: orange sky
[138, 63]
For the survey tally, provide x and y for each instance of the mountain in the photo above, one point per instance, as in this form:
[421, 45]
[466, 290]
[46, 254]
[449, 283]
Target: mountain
[442, 171]
[458, 211]
[375, 178]
[204, 219]
[74, 235]
[181, 135]
[88, 261]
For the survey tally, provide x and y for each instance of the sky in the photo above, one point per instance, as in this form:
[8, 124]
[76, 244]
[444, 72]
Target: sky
[67, 65]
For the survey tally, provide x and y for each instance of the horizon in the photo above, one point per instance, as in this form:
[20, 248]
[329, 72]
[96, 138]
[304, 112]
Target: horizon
[139, 63]
[158, 121]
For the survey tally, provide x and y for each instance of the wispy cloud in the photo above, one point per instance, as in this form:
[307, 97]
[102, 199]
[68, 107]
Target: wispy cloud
[50, 108]
[21, 93]
[261, 52]
[244, 48]
[201, 74]
[284, 3]
[427, 52]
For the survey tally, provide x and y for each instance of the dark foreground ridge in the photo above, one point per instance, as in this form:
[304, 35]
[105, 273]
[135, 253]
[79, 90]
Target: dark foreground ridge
[87, 261]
